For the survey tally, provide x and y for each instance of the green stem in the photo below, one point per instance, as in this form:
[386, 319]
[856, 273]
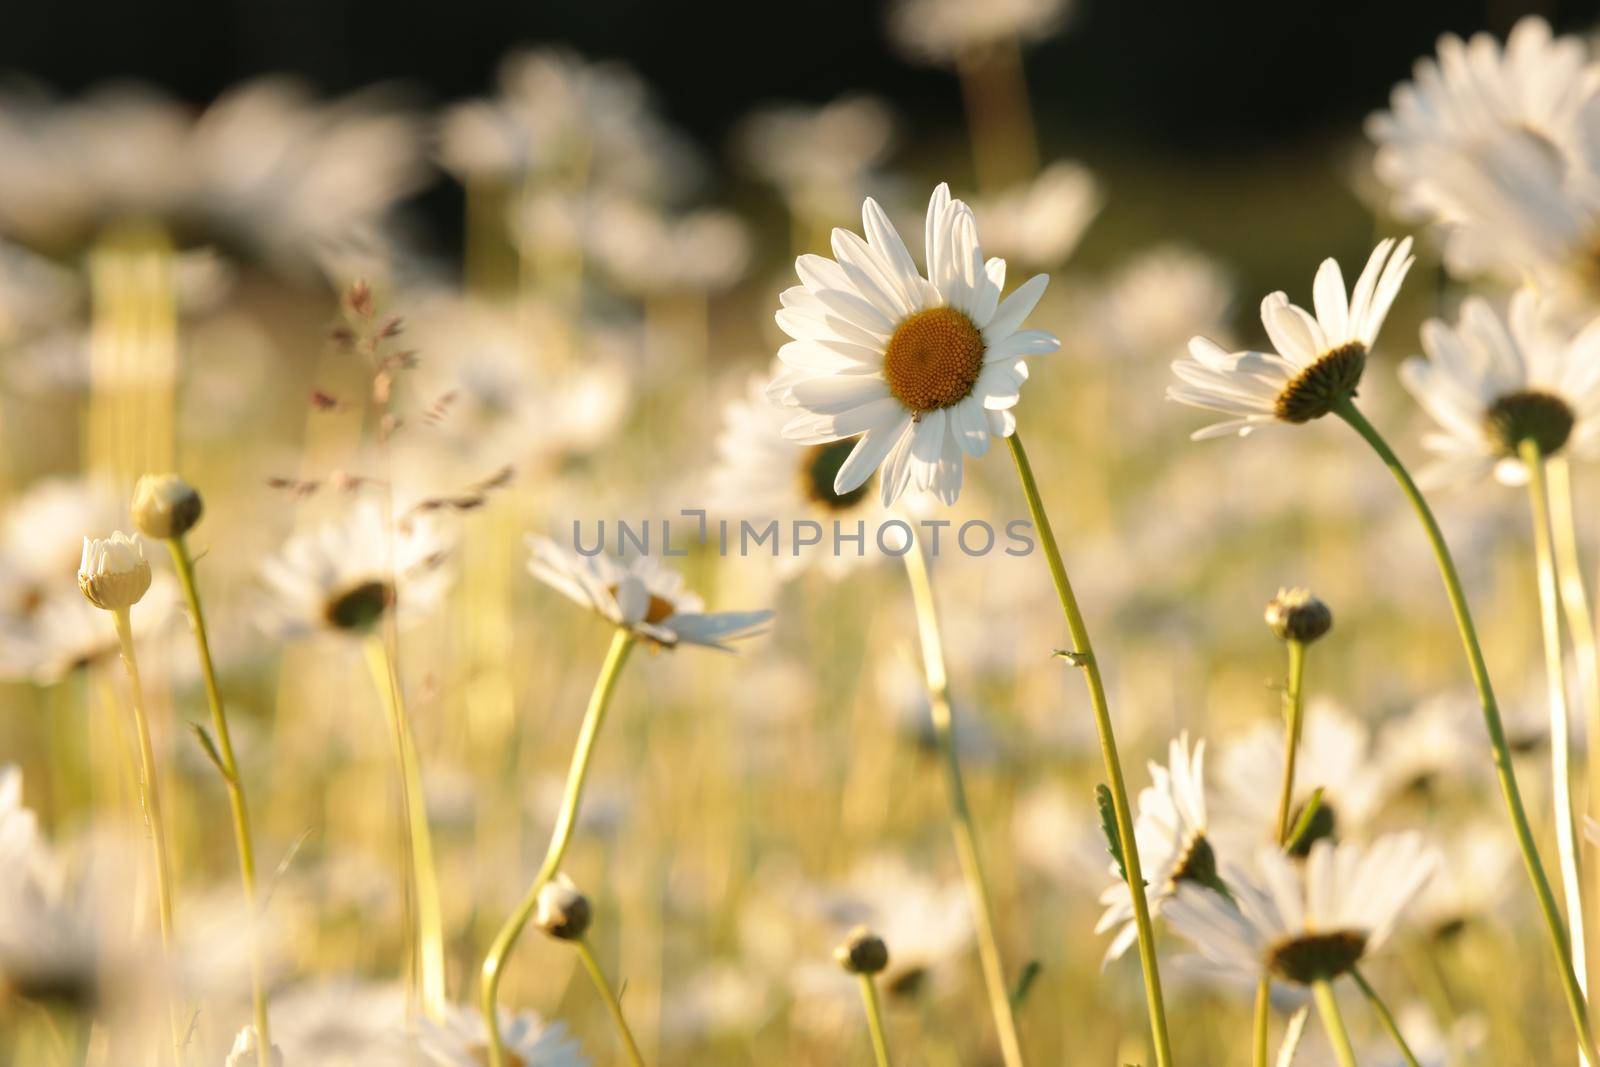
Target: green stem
[961, 822]
[236, 798]
[1504, 771]
[150, 796]
[1385, 1018]
[428, 931]
[577, 775]
[613, 1005]
[874, 1006]
[1259, 1032]
[1560, 719]
[1294, 703]
[1083, 657]
[1333, 1023]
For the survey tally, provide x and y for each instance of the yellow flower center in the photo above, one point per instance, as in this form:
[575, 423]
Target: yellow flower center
[659, 609]
[934, 359]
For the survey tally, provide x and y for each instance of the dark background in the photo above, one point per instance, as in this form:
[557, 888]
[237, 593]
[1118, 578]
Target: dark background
[1185, 75]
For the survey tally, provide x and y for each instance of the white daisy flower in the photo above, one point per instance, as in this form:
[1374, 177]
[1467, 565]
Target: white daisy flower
[342, 1022]
[1170, 833]
[1304, 923]
[925, 370]
[1039, 223]
[246, 1050]
[66, 633]
[1317, 361]
[1491, 383]
[346, 574]
[462, 1040]
[640, 595]
[760, 475]
[941, 31]
[648, 253]
[819, 158]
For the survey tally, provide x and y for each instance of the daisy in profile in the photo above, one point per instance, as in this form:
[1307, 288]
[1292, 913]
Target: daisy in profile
[1171, 836]
[925, 370]
[1304, 923]
[1317, 360]
[345, 575]
[461, 1040]
[640, 596]
[760, 475]
[1491, 383]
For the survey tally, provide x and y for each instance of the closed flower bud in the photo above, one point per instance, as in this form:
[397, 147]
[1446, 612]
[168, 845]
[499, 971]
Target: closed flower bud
[562, 912]
[1296, 615]
[113, 573]
[165, 506]
[862, 952]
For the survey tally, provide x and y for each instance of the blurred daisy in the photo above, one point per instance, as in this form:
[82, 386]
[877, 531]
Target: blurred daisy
[1170, 833]
[341, 1022]
[1491, 383]
[941, 31]
[462, 1040]
[819, 158]
[246, 1050]
[647, 253]
[1317, 361]
[67, 633]
[1497, 145]
[925, 371]
[1304, 923]
[640, 595]
[761, 475]
[1040, 223]
[346, 574]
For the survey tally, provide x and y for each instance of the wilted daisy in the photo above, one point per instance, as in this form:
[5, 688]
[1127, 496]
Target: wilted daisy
[925, 370]
[1171, 835]
[640, 595]
[345, 574]
[1491, 383]
[1304, 923]
[1317, 360]
[461, 1040]
[1039, 224]
[760, 476]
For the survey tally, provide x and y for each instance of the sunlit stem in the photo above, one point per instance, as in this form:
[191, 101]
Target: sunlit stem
[560, 839]
[235, 786]
[1083, 657]
[994, 89]
[1504, 771]
[961, 823]
[613, 1005]
[1333, 1023]
[1294, 704]
[874, 1007]
[427, 931]
[1560, 720]
[1385, 1018]
[150, 799]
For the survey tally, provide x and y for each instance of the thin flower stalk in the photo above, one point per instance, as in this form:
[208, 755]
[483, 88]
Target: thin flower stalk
[229, 767]
[1385, 1018]
[1560, 718]
[1504, 771]
[622, 642]
[874, 1008]
[961, 822]
[427, 928]
[1333, 1023]
[150, 798]
[613, 1005]
[1294, 703]
[1082, 656]
[1580, 620]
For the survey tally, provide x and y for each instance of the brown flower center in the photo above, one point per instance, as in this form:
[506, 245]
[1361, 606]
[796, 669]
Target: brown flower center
[659, 609]
[1316, 957]
[358, 607]
[1530, 415]
[1332, 378]
[1197, 864]
[934, 359]
[819, 465]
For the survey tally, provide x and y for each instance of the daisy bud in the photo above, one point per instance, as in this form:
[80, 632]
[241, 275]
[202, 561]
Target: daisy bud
[165, 506]
[862, 952]
[113, 573]
[1296, 615]
[562, 912]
